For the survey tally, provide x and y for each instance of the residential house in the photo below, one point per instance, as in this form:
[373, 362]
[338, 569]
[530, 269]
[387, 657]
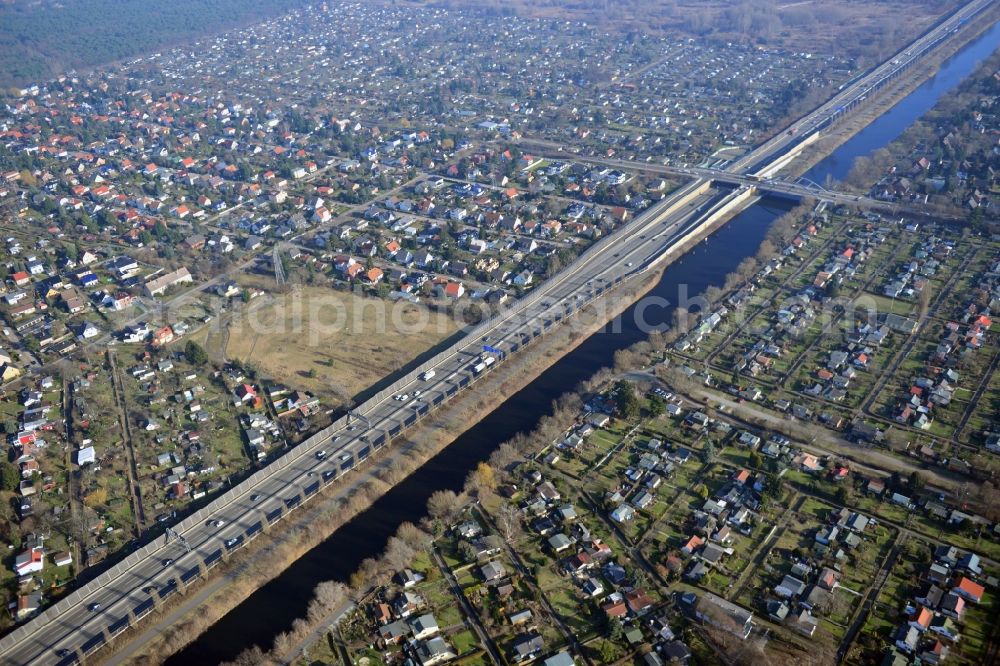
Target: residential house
[158, 285]
[492, 571]
[724, 614]
[969, 590]
[30, 561]
[435, 651]
[527, 646]
[424, 626]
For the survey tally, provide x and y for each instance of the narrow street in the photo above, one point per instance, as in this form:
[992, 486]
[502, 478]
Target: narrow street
[747, 319]
[76, 515]
[904, 352]
[325, 626]
[819, 441]
[471, 617]
[135, 490]
[838, 316]
[861, 616]
[568, 635]
[984, 386]
[759, 554]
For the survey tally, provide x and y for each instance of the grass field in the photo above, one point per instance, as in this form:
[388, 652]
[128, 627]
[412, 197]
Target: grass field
[332, 343]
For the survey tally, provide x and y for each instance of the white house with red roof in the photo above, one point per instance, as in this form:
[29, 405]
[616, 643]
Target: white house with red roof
[246, 392]
[30, 561]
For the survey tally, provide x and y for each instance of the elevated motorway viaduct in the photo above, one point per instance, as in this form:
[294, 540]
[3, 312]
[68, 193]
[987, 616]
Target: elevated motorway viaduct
[82, 623]
[761, 164]
[771, 185]
[762, 160]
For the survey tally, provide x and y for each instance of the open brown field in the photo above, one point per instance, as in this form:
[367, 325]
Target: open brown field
[332, 343]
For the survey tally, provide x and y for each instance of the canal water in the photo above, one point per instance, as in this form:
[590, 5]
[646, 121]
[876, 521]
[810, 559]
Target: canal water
[273, 608]
[894, 122]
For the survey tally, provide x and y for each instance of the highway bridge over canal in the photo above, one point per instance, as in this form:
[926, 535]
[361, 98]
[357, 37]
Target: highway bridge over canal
[79, 625]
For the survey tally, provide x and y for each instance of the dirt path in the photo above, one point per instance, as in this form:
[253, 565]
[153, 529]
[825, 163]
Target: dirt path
[869, 600]
[471, 617]
[72, 480]
[806, 263]
[904, 352]
[135, 491]
[759, 554]
[869, 460]
[216, 341]
[813, 440]
[515, 557]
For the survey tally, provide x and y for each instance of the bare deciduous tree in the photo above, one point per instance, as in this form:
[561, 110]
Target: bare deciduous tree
[444, 505]
[505, 456]
[414, 537]
[283, 642]
[681, 322]
[767, 250]
[331, 594]
[988, 497]
[398, 554]
[508, 522]
[252, 656]
[747, 269]
[713, 294]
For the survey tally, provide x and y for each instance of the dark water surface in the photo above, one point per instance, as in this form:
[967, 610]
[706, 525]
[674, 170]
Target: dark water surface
[273, 608]
[894, 122]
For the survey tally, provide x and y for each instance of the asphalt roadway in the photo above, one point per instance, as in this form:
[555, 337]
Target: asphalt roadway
[84, 622]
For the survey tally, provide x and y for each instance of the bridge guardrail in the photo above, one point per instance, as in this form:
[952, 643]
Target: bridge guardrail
[227, 498]
[294, 455]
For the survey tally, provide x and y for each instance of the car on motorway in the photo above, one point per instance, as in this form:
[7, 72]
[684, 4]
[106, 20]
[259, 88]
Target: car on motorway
[94, 607]
[329, 474]
[234, 541]
[321, 454]
[167, 561]
[255, 497]
[218, 522]
[416, 394]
